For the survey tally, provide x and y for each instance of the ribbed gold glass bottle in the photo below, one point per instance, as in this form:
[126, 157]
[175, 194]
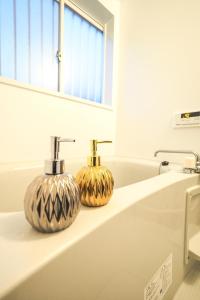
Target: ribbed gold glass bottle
[95, 181]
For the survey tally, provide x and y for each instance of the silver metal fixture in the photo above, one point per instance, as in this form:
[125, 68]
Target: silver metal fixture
[59, 56]
[52, 200]
[55, 166]
[196, 155]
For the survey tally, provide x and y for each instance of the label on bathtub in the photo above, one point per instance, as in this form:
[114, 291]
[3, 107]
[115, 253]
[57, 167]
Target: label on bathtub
[160, 282]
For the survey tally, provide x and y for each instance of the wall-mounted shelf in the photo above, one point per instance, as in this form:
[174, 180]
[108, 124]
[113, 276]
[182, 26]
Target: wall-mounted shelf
[192, 245]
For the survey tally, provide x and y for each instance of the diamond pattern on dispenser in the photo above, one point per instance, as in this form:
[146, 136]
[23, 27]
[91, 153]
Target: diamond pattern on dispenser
[54, 202]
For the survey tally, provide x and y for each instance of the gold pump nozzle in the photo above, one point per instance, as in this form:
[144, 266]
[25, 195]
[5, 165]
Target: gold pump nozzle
[94, 160]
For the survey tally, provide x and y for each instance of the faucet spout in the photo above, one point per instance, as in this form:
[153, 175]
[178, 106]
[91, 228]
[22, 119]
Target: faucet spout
[196, 155]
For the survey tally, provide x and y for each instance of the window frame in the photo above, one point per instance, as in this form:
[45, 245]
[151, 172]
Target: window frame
[105, 28]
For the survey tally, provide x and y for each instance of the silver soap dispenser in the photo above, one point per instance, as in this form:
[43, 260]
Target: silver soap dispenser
[52, 200]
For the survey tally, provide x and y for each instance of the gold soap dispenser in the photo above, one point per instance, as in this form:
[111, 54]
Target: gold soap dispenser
[95, 181]
[52, 200]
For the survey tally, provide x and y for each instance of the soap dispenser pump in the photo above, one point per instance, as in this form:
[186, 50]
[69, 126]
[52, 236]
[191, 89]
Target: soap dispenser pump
[52, 200]
[95, 181]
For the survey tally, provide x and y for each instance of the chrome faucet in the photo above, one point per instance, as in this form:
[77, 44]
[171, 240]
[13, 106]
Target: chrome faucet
[196, 155]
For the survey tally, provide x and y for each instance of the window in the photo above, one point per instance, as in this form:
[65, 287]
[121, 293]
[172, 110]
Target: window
[29, 41]
[55, 45]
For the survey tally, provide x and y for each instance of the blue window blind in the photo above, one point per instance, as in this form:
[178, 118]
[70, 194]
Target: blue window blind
[29, 41]
[83, 57]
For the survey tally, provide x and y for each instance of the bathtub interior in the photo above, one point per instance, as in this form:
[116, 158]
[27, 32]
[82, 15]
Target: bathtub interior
[14, 180]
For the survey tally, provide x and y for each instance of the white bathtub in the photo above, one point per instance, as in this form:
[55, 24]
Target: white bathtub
[15, 178]
[108, 253]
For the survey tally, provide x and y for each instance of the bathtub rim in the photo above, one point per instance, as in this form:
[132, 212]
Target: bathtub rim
[10, 168]
[24, 165]
[108, 212]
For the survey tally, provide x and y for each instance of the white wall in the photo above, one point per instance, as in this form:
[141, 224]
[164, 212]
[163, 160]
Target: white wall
[159, 75]
[28, 118]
